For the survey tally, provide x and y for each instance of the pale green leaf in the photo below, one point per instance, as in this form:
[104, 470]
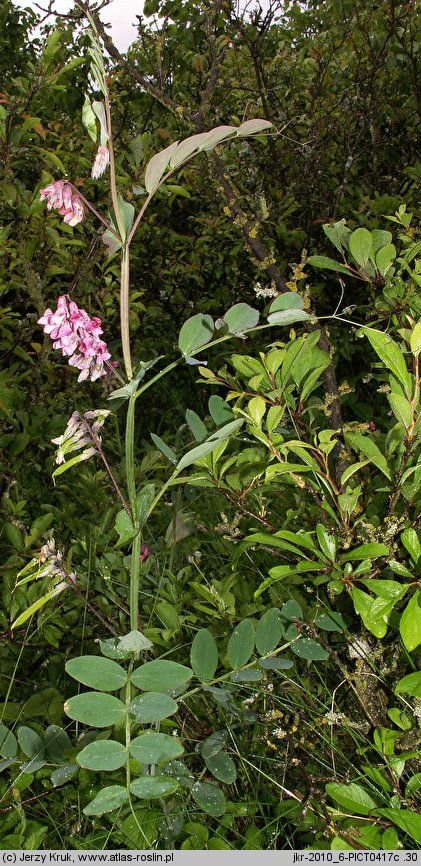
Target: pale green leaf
[161, 675]
[104, 755]
[107, 800]
[96, 672]
[410, 622]
[157, 166]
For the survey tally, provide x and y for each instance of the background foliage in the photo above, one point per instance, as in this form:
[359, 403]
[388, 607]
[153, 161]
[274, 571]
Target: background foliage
[328, 728]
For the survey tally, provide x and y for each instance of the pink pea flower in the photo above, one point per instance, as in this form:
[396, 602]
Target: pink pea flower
[144, 553]
[101, 161]
[78, 337]
[61, 196]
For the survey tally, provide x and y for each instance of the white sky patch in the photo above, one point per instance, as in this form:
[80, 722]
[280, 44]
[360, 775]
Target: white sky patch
[120, 14]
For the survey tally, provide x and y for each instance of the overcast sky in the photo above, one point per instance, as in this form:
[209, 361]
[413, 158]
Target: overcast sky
[121, 14]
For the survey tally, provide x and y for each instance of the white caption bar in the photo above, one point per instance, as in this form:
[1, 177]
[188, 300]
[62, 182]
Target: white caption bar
[215, 858]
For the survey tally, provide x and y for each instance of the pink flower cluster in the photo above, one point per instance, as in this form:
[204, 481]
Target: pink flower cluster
[78, 337]
[61, 196]
[101, 161]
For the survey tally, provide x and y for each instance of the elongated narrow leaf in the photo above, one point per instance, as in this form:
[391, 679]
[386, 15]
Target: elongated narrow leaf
[370, 450]
[210, 444]
[410, 623]
[186, 148]
[391, 355]
[37, 605]
[329, 264]
[199, 142]
[251, 127]
[371, 550]
[89, 119]
[85, 455]
[157, 166]
[196, 425]
[164, 448]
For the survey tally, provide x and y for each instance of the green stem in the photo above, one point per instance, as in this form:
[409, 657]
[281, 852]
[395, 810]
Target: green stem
[131, 489]
[158, 376]
[124, 311]
[127, 704]
[113, 184]
[134, 581]
[130, 470]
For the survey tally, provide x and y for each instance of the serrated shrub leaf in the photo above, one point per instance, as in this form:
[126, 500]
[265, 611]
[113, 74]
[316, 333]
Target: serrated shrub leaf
[351, 797]
[360, 243]
[409, 685]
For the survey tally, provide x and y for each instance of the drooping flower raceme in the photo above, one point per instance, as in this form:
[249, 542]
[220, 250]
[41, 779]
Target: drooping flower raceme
[78, 337]
[101, 161]
[81, 430]
[62, 197]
